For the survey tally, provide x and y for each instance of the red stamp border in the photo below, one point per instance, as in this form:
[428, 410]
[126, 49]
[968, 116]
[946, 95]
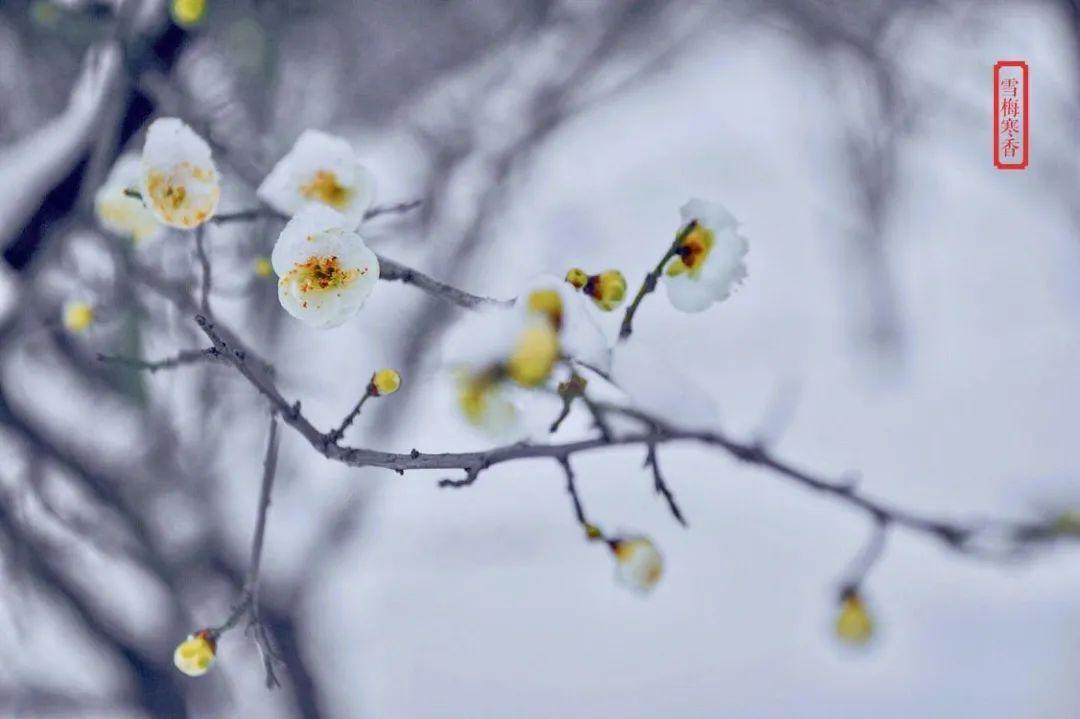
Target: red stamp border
[1026, 134]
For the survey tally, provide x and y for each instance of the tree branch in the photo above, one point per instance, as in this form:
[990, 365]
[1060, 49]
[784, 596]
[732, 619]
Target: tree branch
[649, 283]
[953, 535]
[185, 357]
[392, 270]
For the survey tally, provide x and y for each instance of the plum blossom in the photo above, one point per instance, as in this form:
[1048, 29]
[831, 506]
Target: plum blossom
[580, 338]
[320, 168]
[119, 212]
[640, 564]
[710, 258]
[607, 289]
[325, 271]
[179, 181]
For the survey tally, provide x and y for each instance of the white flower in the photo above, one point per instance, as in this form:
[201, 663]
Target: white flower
[320, 168]
[640, 565]
[119, 212]
[579, 335]
[179, 182]
[325, 270]
[710, 260]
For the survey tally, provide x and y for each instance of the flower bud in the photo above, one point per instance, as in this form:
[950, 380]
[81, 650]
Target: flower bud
[577, 277]
[384, 382]
[195, 654]
[186, 13]
[640, 565]
[78, 316]
[607, 289]
[263, 268]
[853, 624]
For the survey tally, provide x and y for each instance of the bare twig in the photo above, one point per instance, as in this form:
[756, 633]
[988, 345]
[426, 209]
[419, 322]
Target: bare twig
[395, 271]
[649, 283]
[185, 357]
[399, 208]
[661, 486]
[248, 604]
[204, 263]
[864, 562]
[338, 433]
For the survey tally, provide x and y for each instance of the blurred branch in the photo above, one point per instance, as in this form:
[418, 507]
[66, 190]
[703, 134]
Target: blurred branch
[186, 357]
[649, 284]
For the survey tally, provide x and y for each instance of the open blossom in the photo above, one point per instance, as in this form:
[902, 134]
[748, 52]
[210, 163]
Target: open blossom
[194, 655]
[325, 271]
[179, 182]
[640, 565]
[710, 259]
[580, 338]
[320, 168]
[119, 212]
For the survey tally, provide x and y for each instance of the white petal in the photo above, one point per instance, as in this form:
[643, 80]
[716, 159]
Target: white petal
[117, 211]
[712, 215]
[688, 294]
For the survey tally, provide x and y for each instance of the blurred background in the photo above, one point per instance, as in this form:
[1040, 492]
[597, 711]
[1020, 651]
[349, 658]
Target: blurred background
[911, 317]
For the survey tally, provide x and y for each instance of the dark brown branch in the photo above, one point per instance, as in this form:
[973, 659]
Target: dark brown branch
[248, 605]
[571, 489]
[661, 486]
[338, 433]
[185, 357]
[394, 271]
[953, 535]
[649, 284]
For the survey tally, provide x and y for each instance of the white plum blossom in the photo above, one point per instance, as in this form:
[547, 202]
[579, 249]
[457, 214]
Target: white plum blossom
[119, 212]
[320, 168]
[579, 335]
[710, 260]
[640, 565]
[325, 271]
[179, 182]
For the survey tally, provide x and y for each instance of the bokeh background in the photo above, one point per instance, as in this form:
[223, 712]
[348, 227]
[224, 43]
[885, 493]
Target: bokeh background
[911, 317]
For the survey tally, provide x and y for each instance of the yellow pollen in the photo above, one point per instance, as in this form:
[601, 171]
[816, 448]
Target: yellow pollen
[321, 274]
[693, 251]
[324, 187]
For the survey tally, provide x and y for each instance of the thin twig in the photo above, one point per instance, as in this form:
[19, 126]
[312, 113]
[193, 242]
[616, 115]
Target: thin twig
[867, 557]
[392, 270]
[399, 208]
[185, 357]
[571, 489]
[661, 486]
[204, 262]
[338, 433]
[649, 283]
[248, 604]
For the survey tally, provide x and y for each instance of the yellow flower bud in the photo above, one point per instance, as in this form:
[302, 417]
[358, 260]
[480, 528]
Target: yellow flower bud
[549, 304]
[263, 268]
[78, 316]
[607, 289]
[577, 277]
[853, 624]
[195, 654]
[385, 381]
[535, 355]
[188, 12]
